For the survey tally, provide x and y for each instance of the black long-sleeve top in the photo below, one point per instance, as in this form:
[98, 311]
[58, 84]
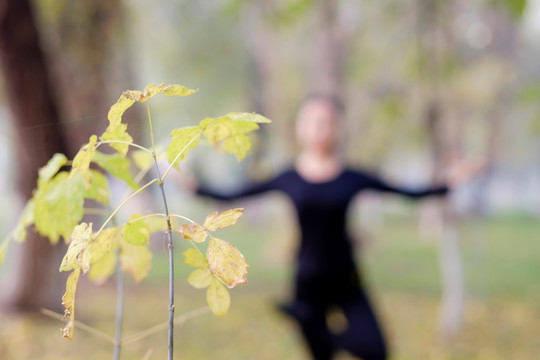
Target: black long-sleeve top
[321, 210]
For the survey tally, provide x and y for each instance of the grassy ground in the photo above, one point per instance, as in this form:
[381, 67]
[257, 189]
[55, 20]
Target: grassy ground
[502, 265]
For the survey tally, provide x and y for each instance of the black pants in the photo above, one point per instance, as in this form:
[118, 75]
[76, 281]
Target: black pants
[316, 295]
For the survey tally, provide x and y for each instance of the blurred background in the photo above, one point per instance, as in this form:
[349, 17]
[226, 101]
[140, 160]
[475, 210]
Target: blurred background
[423, 81]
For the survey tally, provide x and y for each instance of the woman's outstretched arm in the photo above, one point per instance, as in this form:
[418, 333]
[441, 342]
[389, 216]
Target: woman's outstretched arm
[376, 183]
[247, 190]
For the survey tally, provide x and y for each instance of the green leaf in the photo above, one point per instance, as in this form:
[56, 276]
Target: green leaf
[80, 239]
[68, 300]
[194, 232]
[82, 160]
[99, 188]
[103, 269]
[245, 116]
[194, 258]
[118, 166]
[136, 231]
[53, 166]
[200, 279]
[226, 262]
[182, 141]
[58, 206]
[26, 219]
[220, 220]
[118, 133]
[218, 298]
[136, 260]
[142, 159]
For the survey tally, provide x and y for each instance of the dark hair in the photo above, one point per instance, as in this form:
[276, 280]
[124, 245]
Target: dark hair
[331, 99]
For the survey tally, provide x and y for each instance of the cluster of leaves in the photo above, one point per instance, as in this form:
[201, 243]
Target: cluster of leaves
[57, 206]
[222, 264]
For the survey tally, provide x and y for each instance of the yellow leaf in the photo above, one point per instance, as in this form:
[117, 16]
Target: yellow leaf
[159, 223]
[230, 131]
[68, 300]
[238, 145]
[194, 258]
[216, 221]
[182, 140]
[118, 132]
[153, 89]
[136, 260]
[177, 90]
[200, 279]
[218, 298]
[226, 262]
[218, 129]
[103, 269]
[194, 232]
[106, 240]
[82, 160]
[136, 230]
[53, 166]
[118, 109]
[80, 239]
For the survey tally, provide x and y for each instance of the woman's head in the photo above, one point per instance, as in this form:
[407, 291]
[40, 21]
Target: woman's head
[318, 125]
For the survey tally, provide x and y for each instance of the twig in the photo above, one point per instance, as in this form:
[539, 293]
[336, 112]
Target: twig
[169, 238]
[148, 354]
[80, 325]
[164, 325]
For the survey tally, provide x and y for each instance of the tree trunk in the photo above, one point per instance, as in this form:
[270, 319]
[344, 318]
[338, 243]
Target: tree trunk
[30, 96]
[432, 38]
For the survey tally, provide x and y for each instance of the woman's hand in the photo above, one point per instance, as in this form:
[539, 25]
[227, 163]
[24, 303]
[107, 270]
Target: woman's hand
[462, 171]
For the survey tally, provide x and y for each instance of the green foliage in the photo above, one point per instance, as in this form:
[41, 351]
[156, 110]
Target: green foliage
[116, 165]
[57, 206]
[516, 8]
[136, 231]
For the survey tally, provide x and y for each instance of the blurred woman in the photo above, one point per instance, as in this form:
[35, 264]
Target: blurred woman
[321, 187]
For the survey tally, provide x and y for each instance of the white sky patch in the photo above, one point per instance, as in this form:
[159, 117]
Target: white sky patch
[531, 20]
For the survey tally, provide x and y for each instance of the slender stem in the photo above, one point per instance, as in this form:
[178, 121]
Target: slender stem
[125, 142]
[151, 128]
[148, 354]
[123, 203]
[180, 154]
[169, 238]
[79, 325]
[164, 325]
[119, 303]
[119, 311]
[182, 217]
